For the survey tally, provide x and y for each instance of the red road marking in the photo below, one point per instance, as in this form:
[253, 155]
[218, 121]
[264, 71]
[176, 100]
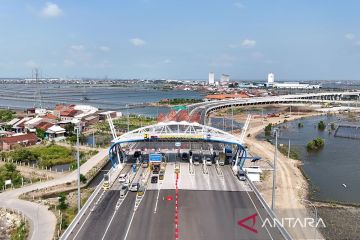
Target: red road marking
[176, 207]
[169, 198]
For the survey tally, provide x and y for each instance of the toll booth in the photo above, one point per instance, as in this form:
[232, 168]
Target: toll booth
[155, 161]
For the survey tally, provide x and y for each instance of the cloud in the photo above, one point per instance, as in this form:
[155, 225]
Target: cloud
[167, 61]
[104, 48]
[137, 42]
[350, 36]
[51, 10]
[77, 47]
[31, 64]
[239, 5]
[248, 43]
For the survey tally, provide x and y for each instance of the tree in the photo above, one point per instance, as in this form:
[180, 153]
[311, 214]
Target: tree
[62, 202]
[83, 179]
[300, 125]
[321, 125]
[315, 144]
[23, 155]
[70, 129]
[268, 129]
[40, 133]
[6, 115]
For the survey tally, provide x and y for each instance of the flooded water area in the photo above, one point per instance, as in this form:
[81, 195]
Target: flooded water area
[333, 170]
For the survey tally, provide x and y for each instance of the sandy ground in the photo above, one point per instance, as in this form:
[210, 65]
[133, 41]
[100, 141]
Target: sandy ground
[291, 186]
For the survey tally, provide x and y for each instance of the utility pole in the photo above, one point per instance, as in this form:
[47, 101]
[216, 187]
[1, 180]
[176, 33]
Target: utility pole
[232, 119]
[127, 118]
[289, 149]
[78, 166]
[274, 172]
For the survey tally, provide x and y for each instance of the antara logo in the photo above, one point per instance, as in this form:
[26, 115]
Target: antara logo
[282, 222]
[250, 228]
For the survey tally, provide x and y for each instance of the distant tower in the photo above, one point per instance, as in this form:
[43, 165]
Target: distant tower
[225, 79]
[211, 78]
[271, 78]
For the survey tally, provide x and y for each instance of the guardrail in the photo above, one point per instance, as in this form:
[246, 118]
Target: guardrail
[78, 216]
[271, 213]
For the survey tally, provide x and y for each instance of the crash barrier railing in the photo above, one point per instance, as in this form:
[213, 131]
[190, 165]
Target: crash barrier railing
[271, 213]
[80, 214]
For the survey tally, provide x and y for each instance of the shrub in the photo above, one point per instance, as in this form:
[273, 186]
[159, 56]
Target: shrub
[321, 125]
[268, 129]
[315, 144]
[300, 125]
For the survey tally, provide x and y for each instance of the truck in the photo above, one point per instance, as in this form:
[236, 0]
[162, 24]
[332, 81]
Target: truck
[228, 151]
[106, 183]
[222, 159]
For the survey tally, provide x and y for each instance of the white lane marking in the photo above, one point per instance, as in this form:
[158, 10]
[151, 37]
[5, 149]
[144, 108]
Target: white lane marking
[82, 225]
[259, 214]
[128, 229]
[108, 226]
[157, 198]
[116, 208]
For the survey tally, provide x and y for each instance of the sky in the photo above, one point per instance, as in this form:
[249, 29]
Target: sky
[181, 39]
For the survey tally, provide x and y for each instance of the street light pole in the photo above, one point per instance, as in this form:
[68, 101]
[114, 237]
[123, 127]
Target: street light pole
[78, 167]
[232, 119]
[289, 149]
[127, 117]
[274, 171]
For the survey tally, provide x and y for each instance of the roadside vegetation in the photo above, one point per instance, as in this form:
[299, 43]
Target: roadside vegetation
[20, 232]
[268, 129]
[6, 115]
[47, 156]
[177, 101]
[294, 154]
[8, 172]
[315, 144]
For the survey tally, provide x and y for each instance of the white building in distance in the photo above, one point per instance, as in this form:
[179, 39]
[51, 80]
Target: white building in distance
[271, 78]
[288, 85]
[225, 79]
[211, 80]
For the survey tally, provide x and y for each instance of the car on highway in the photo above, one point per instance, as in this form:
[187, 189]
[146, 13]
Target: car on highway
[123, 191]
[208, 161]
[134, 187]
[145, 164]
[241, 175]
[196, 159]
[154, 179]
[137, 154]
[185, 156]
[122, 177]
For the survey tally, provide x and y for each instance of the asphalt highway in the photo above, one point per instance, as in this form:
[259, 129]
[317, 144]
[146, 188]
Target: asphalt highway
[203, 214]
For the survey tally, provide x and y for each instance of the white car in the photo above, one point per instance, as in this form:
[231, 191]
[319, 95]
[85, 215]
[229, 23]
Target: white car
[122, 177]
[208, 162]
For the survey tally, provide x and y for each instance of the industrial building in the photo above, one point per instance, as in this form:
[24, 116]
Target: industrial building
[288, 85]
